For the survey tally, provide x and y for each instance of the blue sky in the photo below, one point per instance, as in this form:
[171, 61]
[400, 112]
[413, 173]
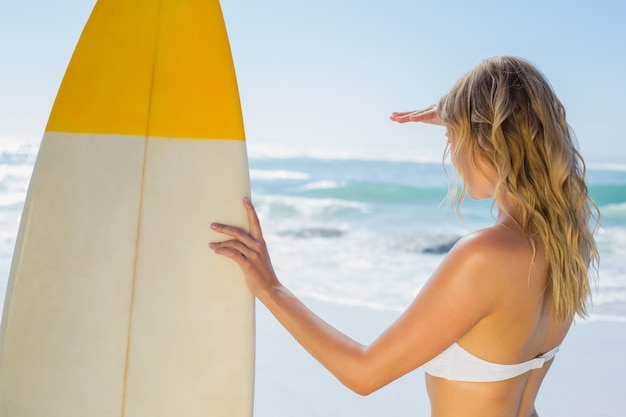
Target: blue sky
[324, 75]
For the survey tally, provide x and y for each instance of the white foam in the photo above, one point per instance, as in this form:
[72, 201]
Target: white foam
[607, 166]
[613, 210]
[308, 206]
[261, 174]
[11, 144]
[605, 317]
[609, 295]
[338, 153]
[12, 199]
[15, 177]
[322, 185]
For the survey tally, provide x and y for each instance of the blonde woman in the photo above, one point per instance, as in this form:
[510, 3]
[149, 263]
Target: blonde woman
[489, 322]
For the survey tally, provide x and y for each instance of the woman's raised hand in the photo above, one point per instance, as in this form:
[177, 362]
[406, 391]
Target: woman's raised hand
[428, 115]
[249, 251]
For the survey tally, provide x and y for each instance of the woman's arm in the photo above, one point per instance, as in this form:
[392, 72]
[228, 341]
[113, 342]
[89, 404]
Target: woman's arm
[341, 355]
[451, 303]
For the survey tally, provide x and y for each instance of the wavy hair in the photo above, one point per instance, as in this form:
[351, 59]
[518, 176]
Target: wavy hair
[505, 112]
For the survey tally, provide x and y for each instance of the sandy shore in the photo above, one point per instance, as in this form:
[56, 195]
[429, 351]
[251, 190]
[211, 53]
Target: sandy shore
[588, 378]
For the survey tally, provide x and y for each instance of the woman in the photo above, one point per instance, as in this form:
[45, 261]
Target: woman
[487, 324]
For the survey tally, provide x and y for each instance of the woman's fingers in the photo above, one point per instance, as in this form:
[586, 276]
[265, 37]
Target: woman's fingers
[251, 239]
[401, 113]
[245, 246]
[427, 115]
[400, 117]
[253, 220]
[248, 250]
[234, 232]
[233, 249]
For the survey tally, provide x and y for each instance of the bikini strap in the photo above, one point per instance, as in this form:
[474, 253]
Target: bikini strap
[540, 360]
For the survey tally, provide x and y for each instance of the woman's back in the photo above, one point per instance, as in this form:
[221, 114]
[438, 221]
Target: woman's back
[519, 327]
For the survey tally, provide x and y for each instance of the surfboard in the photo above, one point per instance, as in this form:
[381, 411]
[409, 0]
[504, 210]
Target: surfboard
[115, 304]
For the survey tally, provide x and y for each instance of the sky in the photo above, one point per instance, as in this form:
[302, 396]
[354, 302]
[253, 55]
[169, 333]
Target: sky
[322, 76]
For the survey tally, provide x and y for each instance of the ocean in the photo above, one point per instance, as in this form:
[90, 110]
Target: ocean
[361, 231]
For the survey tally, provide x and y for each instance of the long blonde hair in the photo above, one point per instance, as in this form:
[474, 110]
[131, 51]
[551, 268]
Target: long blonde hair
[505, 112]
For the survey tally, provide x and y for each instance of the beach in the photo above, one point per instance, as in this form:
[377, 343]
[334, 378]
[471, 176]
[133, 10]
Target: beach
[356, 237]
[587, 378]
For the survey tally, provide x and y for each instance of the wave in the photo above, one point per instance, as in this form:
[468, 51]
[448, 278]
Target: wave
[605, 318]
[301, 209]
[606, 194]
[426, 242]
[11, 145]
[322, 185]
[14, 181]
[262, 174]
[12, 200]
[619, 167]
[341, 154]
[269, 151]
[313, 232]
[28, 148]
[373, 192]
[17, 158]
[613, 215]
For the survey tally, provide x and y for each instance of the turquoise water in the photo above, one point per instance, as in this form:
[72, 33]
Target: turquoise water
[362, 231]
[370, 232]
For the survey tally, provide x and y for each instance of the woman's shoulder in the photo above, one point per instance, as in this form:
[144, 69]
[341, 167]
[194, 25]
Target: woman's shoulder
[473, 277]
[493, 242]
[485, 255]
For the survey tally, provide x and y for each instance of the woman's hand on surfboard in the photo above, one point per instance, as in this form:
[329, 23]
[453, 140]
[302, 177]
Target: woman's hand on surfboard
[428, 115]
[248, 250]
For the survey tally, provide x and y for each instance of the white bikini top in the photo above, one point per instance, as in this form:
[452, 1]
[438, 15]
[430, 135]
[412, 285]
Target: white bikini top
[457, 364]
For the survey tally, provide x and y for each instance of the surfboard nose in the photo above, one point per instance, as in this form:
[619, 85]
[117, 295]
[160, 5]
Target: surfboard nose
[151, 68]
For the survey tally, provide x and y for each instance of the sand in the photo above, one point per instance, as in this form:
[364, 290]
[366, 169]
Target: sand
[587, 379]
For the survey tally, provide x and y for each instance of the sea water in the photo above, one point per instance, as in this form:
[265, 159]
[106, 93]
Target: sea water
[363, 231]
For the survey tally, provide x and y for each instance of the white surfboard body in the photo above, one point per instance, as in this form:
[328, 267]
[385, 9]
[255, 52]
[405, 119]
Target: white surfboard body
[115, 305]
